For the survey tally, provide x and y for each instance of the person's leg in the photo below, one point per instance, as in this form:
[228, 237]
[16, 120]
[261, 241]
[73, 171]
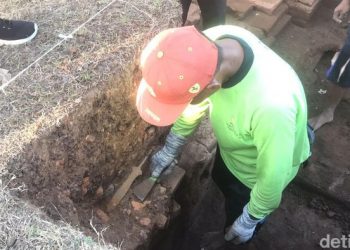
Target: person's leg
[236, 194]
[213, 12]
[336, 94]
[337, 91]
[185, 7]
[16, 32]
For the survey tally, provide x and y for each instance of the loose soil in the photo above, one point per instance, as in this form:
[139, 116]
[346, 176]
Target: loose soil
[65, 174]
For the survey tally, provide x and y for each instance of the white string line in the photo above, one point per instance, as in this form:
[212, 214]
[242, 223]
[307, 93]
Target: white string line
[3, 86]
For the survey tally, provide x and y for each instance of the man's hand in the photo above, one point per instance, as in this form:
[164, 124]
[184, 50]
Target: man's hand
[341, 10]
[166, 156]
[242, 229]
[160, 161]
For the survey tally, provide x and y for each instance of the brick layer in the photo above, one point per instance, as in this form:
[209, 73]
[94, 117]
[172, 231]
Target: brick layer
[240, 7]
[264, 21]
[302, 11]
[267, 6]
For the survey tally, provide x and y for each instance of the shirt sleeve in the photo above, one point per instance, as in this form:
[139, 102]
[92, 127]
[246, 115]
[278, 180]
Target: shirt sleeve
[189, 120]
[274, 137]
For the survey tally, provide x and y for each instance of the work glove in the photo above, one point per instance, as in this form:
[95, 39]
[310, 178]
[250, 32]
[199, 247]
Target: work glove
[242, 229]
[166, 156]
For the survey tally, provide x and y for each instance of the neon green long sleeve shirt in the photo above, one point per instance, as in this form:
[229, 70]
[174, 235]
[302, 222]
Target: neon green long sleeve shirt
[260, 123]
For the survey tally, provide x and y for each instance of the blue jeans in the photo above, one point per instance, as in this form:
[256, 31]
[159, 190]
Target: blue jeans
[333, 73]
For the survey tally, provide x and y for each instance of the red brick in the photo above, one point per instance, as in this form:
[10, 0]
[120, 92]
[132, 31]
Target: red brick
[308, 2]
[302, 11]
[264, 21]
[240, 8]
[267, 6]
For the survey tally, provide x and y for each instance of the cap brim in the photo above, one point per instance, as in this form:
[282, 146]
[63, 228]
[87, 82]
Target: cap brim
[155, 112]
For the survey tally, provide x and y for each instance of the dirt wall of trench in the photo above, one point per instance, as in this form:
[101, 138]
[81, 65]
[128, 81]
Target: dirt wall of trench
[68, 170]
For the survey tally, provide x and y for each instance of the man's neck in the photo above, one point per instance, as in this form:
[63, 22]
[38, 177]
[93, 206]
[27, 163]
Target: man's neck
[232, 58]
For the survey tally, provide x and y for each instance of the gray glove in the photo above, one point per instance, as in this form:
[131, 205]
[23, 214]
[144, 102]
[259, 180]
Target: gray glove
[166, 156]
[243, 228]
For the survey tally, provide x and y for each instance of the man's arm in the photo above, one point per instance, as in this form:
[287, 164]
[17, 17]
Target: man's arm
[340, 11]
[185, 125]
[274, 137]
[189, 120]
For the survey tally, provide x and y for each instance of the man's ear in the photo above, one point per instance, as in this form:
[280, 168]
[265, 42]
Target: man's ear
[214, 85]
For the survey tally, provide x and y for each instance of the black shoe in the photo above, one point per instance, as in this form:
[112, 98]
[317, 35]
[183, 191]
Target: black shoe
[16, 32]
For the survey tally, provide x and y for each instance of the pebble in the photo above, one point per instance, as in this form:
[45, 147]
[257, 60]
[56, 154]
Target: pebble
[99, 192]
[330, 213]
[90, 138]
[161, 220]
[151, 131]
[145, 221]
[59, 163]
[11, 242]
[85, 185]
[143, 234]
[137, 205]
[127, 211]
[102, 215]
[110, 190]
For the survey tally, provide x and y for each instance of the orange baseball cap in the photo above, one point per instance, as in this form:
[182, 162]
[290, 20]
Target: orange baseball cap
[176, 65]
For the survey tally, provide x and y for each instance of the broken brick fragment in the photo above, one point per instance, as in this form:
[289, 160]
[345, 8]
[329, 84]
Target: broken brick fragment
[145, 221]
[302, 11]
[85, 185]
[102, 215]
[264, 21]
[137, 205]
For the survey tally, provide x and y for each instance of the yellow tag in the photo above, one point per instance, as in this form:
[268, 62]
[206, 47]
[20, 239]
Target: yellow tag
[195, 88]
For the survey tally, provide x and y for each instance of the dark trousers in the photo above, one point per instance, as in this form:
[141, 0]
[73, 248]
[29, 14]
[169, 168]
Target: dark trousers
[213, 11]
[237, 195]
